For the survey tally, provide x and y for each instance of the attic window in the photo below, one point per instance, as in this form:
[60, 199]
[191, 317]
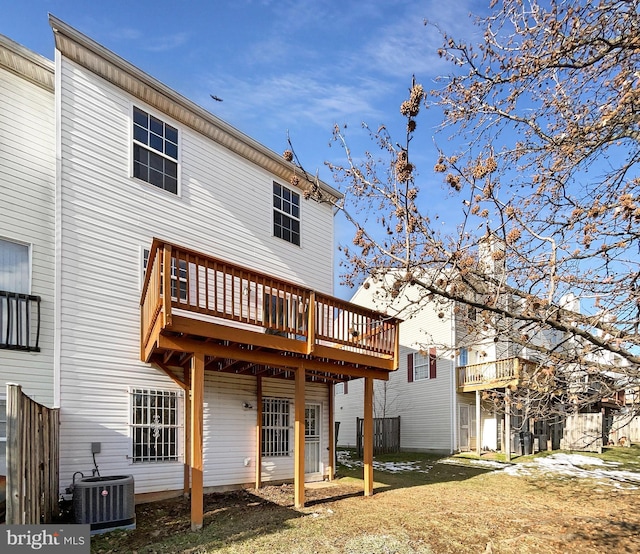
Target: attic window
[155, 151]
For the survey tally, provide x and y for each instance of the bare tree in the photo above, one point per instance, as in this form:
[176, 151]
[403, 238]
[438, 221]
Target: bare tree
[543, 184]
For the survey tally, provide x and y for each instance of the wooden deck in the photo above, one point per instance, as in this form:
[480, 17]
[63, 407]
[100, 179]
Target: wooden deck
[495, 375]
[200, 313]
[247, 322]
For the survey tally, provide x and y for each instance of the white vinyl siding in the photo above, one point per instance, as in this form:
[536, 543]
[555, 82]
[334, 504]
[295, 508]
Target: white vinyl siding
[230, 419]
[27, 217]
[106, 216]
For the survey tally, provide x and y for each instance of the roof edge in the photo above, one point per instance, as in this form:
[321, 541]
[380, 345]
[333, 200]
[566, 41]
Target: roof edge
[102, 61]
[26, 64]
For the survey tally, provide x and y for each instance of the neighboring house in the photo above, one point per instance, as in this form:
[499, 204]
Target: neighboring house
[27, 226]
[443, 375]
[214, 367]
[423, 390]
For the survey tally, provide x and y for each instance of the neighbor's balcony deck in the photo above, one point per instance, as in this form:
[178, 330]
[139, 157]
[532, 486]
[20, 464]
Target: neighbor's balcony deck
[495, 375]
[214, 301]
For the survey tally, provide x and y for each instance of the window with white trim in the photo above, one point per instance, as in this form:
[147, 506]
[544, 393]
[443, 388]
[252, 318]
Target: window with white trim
[276, 419]
[422, 365]
[155, 151]
[156, 425]
[286, 214]
[19, 310]
[463, 357]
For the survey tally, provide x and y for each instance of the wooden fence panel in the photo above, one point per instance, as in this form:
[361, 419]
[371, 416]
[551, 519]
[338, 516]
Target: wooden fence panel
[583, 432]
[32, 459]
[386, 435]
[625, 427]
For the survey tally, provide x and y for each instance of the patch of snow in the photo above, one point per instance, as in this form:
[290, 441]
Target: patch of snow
[560, 464]
[466, 462]
[344, 458]
[577, 465]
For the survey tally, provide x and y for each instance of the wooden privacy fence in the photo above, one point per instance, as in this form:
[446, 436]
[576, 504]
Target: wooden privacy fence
[590, 432]
[583, 432]
[386, 435]
[32, 459]
[623, 425]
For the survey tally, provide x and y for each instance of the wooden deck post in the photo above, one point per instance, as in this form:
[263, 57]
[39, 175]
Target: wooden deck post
[332, 440]
[507, 424]
[478, 425]
[197, 409]
[258, 432]
[298, 461]
[368, 436]
[187, 439]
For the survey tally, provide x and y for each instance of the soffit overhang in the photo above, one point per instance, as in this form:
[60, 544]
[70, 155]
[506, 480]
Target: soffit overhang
[26, 64]
[99, 60]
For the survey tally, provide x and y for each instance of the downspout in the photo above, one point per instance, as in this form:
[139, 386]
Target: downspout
[57, 279]
[454, 396]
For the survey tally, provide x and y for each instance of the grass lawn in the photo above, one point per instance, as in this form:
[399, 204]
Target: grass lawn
[428, 507]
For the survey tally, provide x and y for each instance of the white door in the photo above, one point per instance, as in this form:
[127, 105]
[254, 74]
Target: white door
[312, 424]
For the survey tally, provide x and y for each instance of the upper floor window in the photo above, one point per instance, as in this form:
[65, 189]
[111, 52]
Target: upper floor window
[155, 151]
[286, 214]
[463, 357]
[14, 267]
[19, 311]
[421, 365]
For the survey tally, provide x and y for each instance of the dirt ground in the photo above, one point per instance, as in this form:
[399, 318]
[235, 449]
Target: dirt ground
[445, 509]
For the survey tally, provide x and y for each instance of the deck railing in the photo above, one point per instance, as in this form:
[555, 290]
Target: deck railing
[488, 373]
[211, 289]
[19, 321]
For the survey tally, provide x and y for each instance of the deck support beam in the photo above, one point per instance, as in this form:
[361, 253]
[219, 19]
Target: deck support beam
[298, 461]
[258, 432]
[187, 440]
[332, 438]
[478, 425]
[197, 410]
[507, 424]
[368, 437]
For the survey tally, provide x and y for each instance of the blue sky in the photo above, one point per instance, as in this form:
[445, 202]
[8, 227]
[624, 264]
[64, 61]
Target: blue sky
[286, 66]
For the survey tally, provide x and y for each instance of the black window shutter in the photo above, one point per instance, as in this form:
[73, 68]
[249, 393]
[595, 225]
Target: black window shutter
[410, 367]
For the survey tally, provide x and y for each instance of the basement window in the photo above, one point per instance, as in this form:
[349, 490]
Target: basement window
[155, 425]
[275, 427]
